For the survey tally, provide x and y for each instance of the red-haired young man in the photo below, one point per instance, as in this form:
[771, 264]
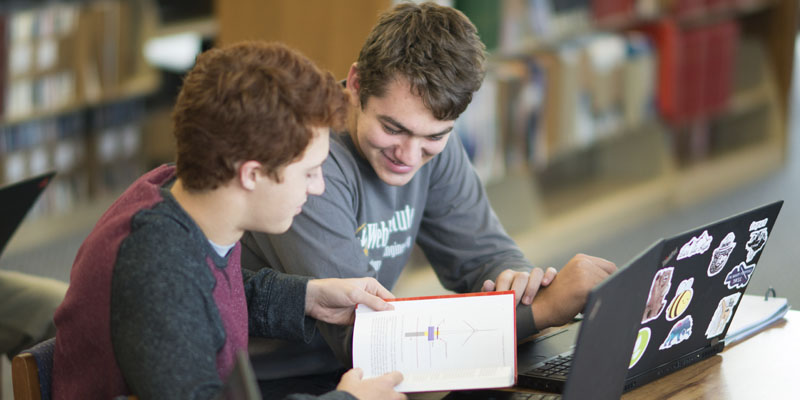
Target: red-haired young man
[158, 303]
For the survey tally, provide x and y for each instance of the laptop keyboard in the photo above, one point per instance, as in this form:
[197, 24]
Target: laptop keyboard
[556, 367]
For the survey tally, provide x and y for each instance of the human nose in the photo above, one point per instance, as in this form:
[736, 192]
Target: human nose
[317, 185]
[409, 152]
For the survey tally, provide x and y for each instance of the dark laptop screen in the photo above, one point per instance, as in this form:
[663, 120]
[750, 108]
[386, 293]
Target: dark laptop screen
[696, 288]
[15, 202]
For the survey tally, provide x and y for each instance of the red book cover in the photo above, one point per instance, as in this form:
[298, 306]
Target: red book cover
[605, 10]
[688, 8]
[723, 40]
[692, 74]
[665, 34]
[3, 63]
[718, 5]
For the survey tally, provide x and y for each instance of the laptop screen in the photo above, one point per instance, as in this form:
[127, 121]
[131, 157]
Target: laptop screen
[15, 202]
[696, 287]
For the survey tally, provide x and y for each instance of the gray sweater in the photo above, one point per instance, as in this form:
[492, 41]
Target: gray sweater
[361, 227]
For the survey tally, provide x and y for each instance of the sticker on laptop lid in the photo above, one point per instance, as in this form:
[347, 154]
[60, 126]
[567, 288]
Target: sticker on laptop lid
[681, 331]
[739, 276]
[642, 340]
[755, 225]
[722, 315]
[656, 300]
[697, 245]
[758, 239]
[721, 254]
[679, 303]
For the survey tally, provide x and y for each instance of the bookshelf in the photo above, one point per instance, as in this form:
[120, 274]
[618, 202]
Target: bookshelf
[638, 172]
[73, 83]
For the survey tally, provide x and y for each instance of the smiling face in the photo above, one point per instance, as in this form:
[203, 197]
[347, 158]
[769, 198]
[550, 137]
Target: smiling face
[279, 202]
[396, 133]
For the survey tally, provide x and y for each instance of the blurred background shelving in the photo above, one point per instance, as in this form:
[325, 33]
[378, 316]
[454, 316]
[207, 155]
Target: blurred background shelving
[86, 89]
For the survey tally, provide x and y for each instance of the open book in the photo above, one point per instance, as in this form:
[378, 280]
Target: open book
[465, 341]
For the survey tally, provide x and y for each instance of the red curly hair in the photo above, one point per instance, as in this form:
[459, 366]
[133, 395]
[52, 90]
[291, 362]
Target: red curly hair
[251, 101]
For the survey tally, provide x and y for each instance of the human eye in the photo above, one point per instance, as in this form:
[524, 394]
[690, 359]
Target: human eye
[314, 173]
[390, 130]
[436, 138]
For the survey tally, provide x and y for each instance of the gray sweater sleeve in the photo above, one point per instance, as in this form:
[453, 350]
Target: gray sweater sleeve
[276, 305]
[460, 233]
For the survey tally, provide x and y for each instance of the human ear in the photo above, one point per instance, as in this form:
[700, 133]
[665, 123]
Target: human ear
[249, 173]
[353, 83]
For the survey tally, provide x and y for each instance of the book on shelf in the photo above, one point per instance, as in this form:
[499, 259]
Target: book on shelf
[520, 106]
[3, 63]
[755, 313]
[452, 342]
[638, 88]
[723, 39]
[528, 24]
[605, 58]
[696, 67]
[603, 10]
[477, 127]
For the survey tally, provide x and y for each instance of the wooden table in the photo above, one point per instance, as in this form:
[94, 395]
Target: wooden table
[763, 366]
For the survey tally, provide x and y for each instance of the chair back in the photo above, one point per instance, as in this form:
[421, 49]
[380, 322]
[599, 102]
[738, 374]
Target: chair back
[31, 372]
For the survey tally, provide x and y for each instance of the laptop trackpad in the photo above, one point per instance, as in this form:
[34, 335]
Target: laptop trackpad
[546, 346]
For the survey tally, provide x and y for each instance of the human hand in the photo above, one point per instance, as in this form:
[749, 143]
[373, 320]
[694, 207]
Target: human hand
[524, 284]
[333, 300]
[566, 296]
[381, 387]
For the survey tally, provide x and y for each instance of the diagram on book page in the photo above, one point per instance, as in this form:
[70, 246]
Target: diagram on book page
[430, 341]
[435, 335]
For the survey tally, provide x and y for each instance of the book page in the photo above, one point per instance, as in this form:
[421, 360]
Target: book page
[444, 343]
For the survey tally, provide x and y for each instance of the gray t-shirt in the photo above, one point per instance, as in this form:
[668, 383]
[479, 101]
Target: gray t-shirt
[362, 226]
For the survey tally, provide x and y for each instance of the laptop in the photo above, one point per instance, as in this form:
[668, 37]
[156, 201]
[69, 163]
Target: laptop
[611, 310]
[15, 201]
[673, 311]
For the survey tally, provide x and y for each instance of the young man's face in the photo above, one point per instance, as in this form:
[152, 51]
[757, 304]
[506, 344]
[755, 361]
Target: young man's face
[303, 177]
[397, 134]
